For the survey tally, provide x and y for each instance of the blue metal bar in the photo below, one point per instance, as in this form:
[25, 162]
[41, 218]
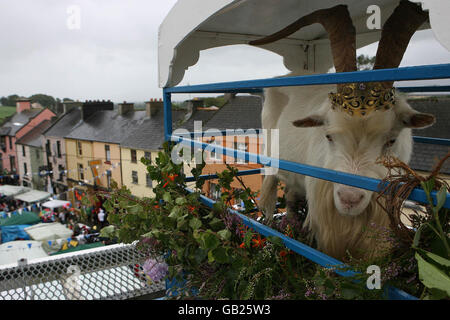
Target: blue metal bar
[304, 250]
[212, 133]
[167, 115]
[438, 71]
[424, 89]
[313, 171]
[438, 141]
[215, 176]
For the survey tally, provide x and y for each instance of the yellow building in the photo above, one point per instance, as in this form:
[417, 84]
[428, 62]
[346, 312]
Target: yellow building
[144, 142]
[134, 173]
[93, 145]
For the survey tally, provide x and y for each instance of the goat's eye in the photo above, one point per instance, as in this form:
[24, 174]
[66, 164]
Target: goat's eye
[329, 138]
[390, 143]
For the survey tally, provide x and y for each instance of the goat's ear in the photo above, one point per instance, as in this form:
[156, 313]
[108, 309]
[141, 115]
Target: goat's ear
[417, 120]
[311, 121]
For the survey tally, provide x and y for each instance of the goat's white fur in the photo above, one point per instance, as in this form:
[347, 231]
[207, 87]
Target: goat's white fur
[362, 141]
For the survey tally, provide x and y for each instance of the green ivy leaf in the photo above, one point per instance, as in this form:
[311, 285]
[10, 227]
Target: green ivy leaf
[220, 255]
[216, 224]
[276, 240]
[224, 234]
[167, 197]
[431, 276]
[195, 223]
[438, 259]
[210, 241]
[180, 201]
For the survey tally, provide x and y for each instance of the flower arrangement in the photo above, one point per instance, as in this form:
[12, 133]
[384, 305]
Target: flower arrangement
[216, 256]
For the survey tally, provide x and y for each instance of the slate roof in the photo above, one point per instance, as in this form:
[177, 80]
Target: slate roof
[18, 120]
[240, 112]
[149, 134]
[107, 126]
[425, 155]
[33, 137]
[64, 124]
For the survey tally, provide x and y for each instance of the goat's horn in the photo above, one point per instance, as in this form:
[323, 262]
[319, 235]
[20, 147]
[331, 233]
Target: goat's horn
[339, 26]
[397, 31]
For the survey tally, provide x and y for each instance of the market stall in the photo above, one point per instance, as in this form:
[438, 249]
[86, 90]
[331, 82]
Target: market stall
[33, 196]
[9, 190]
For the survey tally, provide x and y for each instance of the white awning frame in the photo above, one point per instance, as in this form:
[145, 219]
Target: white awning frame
[195, 25]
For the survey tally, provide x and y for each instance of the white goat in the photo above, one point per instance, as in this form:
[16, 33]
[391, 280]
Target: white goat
[317, 130]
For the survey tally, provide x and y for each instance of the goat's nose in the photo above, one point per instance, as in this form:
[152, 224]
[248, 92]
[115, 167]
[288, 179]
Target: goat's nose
[349, 196]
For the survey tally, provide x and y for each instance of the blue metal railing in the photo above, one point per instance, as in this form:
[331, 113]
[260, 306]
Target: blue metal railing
[441, 71]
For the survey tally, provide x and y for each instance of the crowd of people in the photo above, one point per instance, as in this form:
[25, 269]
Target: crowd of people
[85, 222]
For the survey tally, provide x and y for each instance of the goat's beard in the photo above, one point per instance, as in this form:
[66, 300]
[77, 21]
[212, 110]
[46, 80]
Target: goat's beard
[339, 236]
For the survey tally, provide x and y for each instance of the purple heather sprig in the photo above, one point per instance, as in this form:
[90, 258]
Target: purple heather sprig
[155, 270]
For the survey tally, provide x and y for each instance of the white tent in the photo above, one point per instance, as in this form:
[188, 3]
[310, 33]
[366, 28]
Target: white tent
[48, 231]
[55, 204]
[33, 196]
[216, 23]
[9, 190]
[13, 251]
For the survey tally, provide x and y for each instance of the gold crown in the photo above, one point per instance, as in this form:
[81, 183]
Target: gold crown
[362, 98]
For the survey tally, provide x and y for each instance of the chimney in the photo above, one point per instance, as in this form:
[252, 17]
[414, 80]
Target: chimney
[67, 106]
[23, 104]
[90, 107]
[192, 106]
[125, 107]
[153, 106]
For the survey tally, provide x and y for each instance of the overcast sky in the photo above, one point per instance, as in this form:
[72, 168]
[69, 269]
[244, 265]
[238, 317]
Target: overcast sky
[113, 55]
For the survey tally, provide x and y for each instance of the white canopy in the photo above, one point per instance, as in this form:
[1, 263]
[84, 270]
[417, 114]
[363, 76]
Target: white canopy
[33, 196]
[195, 25]
[9, 190]
[11, 252]
[55, 204]
[48, 231]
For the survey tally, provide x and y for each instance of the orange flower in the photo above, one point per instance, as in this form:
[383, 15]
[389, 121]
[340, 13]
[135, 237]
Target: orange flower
[156, 206]
[258, 243]
[242, 246]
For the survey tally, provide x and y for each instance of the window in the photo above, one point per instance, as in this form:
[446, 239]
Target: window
[108, 178]
[38, 154]
[25, 169]
[10, 143]
[61, 172]
[148, 155]
[80, 172]
[107, 153]
[80, 148]
[215, 191]
[12, 163]
[23, 150]
[48, 149]
[134, 177]
[215, 155]
[149, 182]
[58, 148]
[3, 143]
[241, 146]
[133, 156]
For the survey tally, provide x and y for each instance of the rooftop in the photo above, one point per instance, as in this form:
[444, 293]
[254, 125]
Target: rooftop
[33, 137]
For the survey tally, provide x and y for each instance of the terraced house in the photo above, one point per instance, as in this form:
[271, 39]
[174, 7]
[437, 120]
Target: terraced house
[53, 144]
[31, 159]
[93, 145]
[24, 120]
